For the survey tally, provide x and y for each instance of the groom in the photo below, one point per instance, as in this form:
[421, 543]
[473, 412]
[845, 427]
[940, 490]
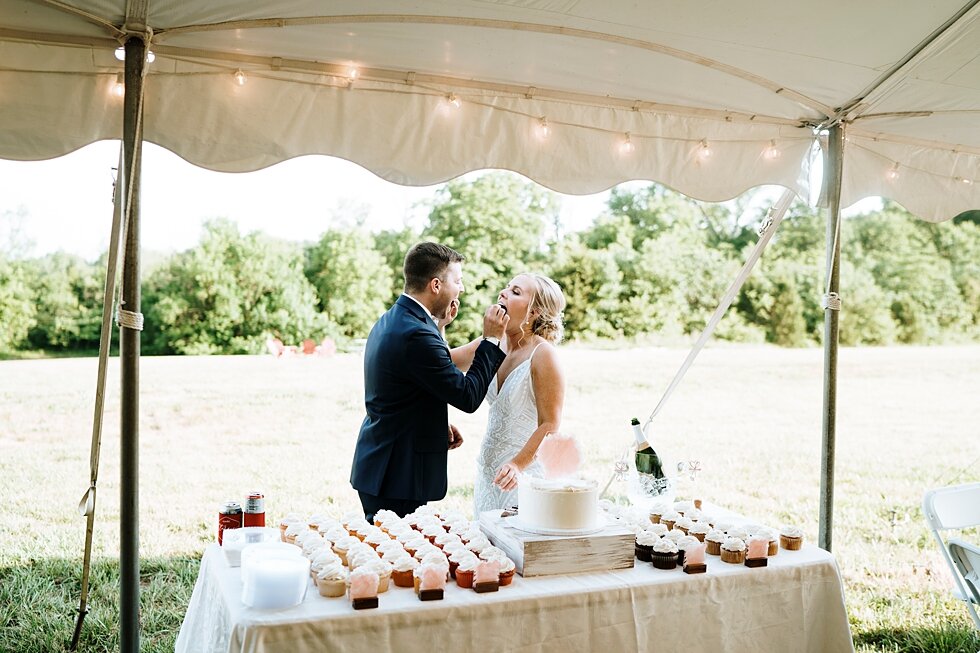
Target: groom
[401, 453]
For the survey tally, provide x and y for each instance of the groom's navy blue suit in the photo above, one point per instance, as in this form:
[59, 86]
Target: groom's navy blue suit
[409, 378]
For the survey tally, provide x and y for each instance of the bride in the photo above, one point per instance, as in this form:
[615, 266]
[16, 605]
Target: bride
[527, 395]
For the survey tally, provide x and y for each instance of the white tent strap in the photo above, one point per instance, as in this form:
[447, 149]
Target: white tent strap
[129, 320]
[767, 230]
[831, 301]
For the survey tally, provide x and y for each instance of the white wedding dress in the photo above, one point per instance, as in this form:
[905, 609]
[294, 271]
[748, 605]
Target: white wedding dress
[513, 418]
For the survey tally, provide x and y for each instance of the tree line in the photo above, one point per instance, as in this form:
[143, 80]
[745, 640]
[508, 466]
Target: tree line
[653, 264]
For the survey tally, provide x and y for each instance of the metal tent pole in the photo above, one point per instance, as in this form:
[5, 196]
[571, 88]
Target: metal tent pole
[832, 173]
[129, 352]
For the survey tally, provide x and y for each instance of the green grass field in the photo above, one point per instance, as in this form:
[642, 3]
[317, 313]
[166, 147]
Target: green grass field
[217, 427]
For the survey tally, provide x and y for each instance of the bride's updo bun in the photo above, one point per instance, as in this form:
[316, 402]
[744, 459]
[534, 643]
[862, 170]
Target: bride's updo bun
[546, 305]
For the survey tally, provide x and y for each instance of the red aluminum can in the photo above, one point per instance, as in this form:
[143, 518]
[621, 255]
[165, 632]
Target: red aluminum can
[229, 517]
[255, 509]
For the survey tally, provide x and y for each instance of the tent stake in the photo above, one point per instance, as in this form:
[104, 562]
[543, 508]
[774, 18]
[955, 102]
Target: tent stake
[832, 171]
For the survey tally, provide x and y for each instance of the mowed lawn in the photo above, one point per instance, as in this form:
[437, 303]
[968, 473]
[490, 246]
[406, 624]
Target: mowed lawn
[216, 427]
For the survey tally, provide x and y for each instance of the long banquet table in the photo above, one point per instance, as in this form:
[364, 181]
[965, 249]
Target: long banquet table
[795, 604]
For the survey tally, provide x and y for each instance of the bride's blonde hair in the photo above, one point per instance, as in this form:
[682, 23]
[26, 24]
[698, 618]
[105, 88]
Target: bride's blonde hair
[547, 304]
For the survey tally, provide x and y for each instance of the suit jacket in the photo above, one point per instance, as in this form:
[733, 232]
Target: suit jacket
[409, 380]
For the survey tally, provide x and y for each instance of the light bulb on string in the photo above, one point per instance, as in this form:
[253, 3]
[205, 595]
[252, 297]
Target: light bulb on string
[704, 150]
[543, 130]
[119, 87]
[453, 101]
[627, 147]
[240, 77]
[771, 152]
[352, 73]
[892, 173]
[968, 182]
[121, 55]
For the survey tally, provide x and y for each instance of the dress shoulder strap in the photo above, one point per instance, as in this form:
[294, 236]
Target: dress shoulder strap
[534, 350]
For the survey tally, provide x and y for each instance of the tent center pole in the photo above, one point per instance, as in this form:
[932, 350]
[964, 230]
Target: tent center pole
[833, 171]
[129, 355]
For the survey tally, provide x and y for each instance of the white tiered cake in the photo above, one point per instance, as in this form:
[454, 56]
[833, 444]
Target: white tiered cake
[558, 504]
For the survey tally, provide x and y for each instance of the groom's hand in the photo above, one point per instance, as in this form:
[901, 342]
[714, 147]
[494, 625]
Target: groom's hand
[455, 439]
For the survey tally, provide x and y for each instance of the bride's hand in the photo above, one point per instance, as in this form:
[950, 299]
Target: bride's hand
[506, 478]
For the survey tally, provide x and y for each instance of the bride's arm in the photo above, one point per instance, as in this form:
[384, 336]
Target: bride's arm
[463, 355]
[548, 381]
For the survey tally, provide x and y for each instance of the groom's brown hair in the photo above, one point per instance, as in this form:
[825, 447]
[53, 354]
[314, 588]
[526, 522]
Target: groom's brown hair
[425, 261]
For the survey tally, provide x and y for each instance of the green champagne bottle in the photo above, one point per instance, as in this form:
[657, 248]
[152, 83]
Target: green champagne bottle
[647, 460]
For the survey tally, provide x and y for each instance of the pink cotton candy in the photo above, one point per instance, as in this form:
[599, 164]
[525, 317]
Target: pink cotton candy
[363, 586]
[758, 547]
[433, 577]
[694, 554]
[559, 455]
[486, 571]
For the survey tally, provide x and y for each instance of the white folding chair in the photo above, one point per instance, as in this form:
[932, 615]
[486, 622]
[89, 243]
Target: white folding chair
[957, 508]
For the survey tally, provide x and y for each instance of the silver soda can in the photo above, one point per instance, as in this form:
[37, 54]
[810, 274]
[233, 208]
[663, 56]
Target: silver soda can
[255, 509]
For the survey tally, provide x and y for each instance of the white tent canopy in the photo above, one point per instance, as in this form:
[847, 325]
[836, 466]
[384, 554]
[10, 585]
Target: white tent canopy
[714, 99]
[709, 98]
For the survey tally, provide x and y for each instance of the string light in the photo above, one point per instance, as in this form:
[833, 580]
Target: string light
[627, 147]
[892, 173]
[121, 55]
[119, 87]
[453, 101]
[543, 129]
[966, 181]
[771, 152]
[352, 73]
[240, 77]
[704, 150]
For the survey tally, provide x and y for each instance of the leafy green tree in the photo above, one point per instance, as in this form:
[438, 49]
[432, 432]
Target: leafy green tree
[228, 294]
[352, 279]
[393, 244]
[901, 253]
[497, 222]
[591, 282]
[866, 318]
[17, 312]
[68, 293]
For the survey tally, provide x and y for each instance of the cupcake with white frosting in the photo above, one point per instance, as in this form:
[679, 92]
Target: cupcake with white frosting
[383, 570]
[643, 546]
[773, 536]
[674, 535]
[664, 554]
[733, 550]
[684, 524]
[791, 537]
[670, 518]
[294, 529]
[507, 571]
[331, 580]
[699, 529]
[738, 532]
[402, 571]
[465, 570]
[392, 555]
[713, 540]
[342, 545]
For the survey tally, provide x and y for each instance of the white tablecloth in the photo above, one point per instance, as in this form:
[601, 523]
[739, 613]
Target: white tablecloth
[795, 604]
